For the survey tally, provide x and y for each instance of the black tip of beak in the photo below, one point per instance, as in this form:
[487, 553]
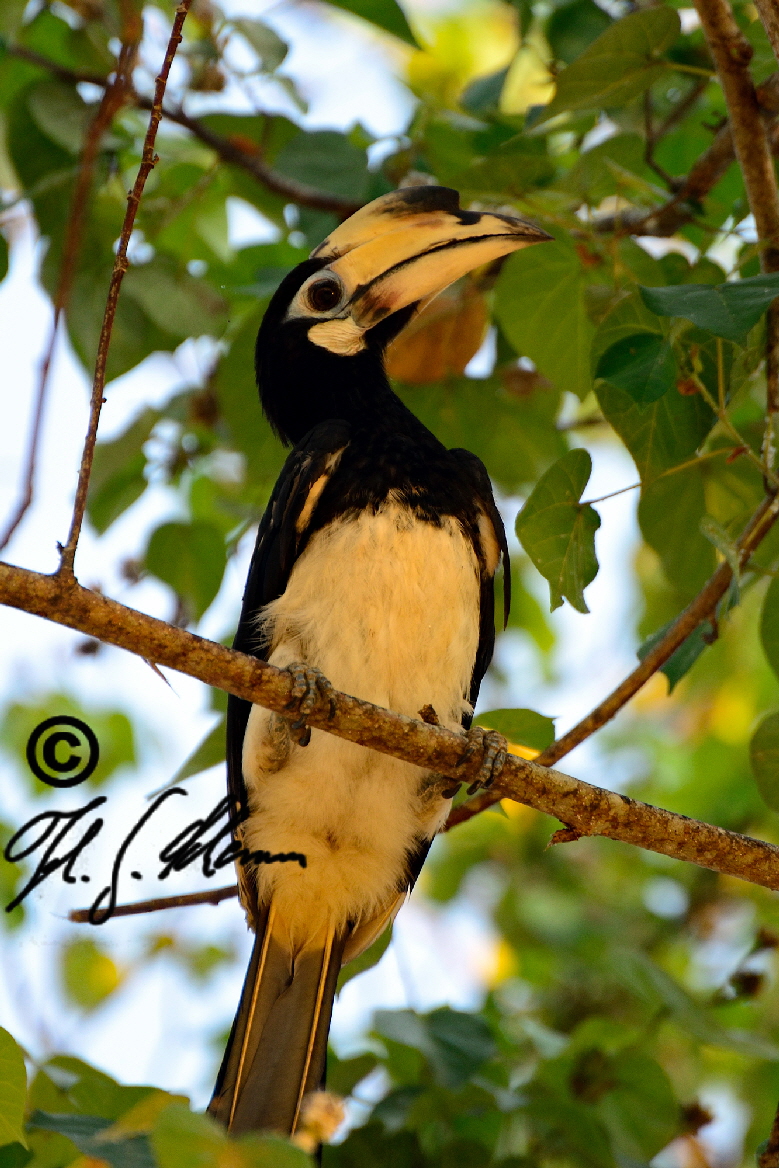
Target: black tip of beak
[524, 227]
[418, 200]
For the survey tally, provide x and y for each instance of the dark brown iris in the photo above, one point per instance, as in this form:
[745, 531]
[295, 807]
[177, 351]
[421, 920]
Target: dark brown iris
[324, 295]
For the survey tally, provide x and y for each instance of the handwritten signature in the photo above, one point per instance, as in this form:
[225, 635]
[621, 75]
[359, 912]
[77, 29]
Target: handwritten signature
[58, 830]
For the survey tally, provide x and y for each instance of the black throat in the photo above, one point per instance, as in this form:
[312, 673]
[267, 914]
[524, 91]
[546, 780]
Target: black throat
[302, 384]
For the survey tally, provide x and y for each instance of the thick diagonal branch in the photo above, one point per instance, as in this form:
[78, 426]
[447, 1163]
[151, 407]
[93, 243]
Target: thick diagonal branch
[586, 809]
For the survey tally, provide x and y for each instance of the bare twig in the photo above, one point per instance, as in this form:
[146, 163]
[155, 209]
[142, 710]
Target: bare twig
[80, 916]
[113, 98]
[699, 610]
[148, 162]
[580, 806]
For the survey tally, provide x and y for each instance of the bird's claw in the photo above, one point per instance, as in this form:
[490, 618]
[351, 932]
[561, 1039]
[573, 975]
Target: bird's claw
[494, 749]
[309, 684]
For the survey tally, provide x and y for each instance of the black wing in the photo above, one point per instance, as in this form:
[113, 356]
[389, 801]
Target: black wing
[280, 539]
[479, 480]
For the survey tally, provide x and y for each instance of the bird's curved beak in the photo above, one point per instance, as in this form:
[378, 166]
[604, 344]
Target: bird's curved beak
[403, 249]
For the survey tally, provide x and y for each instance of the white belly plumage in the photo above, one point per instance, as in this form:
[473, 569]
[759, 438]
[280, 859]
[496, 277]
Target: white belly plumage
[387, 607]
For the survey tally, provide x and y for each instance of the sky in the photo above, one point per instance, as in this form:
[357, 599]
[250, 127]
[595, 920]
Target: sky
[155, 1029]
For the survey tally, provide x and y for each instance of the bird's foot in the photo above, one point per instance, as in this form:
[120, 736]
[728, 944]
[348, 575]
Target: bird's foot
[309, 684]
[494, 749]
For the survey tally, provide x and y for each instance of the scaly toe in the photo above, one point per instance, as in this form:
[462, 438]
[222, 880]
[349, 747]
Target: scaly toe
[308, 685]
[494, 749]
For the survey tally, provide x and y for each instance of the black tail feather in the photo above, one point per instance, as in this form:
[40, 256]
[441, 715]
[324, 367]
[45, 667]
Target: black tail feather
[277, 1049]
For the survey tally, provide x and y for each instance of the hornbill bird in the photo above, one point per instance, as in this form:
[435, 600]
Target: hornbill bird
[372, 572]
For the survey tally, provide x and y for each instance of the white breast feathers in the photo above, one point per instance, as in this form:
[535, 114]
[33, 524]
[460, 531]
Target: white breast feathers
[387, 606]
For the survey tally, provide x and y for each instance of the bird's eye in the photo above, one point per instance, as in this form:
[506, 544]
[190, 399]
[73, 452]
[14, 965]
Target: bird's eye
[324, 294]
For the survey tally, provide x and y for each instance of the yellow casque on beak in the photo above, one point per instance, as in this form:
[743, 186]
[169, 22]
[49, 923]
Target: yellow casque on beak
[404, 248]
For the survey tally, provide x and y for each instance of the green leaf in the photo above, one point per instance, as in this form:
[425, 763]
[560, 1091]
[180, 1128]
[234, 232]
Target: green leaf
[454, 1043]
[643, 365]
[117, 478]
[15, 1156]
[326, 160]
[385, 14]
[769, 625]
[184, 1139]
[372, 956]
[462, 1043]
[112, 729]
[85, 1131]
[660, 435]
[191, 559]
[682, 661]
[764, 756]
[669, 514]
[620, 64]
[558, 532]
[209, 753]
[573, 27]
[69, 1085]
[176, 302]
[343, 1075]
[509, 425]
[265, 41]
[89, 975]
[540, 305]
[11, 13]
[641, 1112]
[728, 310]
[61, 114]
[523, 726]
[483, 94]
[13, 1090]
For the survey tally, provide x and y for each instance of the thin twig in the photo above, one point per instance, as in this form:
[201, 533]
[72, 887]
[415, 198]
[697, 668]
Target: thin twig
[586, 809]
[148, 161]
[699, 610]
[112, 100]
[80, 916]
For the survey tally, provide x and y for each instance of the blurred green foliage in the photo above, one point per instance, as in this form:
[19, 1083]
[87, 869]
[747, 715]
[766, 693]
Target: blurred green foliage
[621, 988]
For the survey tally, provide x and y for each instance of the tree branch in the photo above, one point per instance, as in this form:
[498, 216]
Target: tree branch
[581, 807]
[699, 610]
[80, 916]
[148, 162]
